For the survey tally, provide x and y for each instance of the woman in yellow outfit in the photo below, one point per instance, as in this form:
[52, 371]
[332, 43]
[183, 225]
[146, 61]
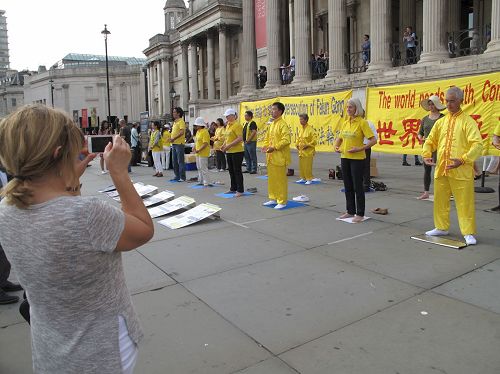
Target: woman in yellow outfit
[306, 143]
[165, 138]
[350, 145]
[218, 139]
[457, 140]
[156, 147]
[277, 149]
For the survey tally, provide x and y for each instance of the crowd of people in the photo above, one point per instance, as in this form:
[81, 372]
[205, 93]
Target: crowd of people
[66, 248]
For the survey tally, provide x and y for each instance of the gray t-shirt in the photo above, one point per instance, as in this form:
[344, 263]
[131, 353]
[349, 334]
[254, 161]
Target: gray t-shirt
[63, 254]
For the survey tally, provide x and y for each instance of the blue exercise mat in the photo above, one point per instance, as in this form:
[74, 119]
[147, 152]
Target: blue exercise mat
[263, 177]
[231, 195]
[289, 205]
[313, 182]
[200, 187]
[174, 181]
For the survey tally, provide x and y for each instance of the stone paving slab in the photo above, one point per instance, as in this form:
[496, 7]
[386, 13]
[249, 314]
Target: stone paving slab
[183, 335]
[271, 366]
[9, 314]
[314, 228]
[201, 254]
[480, 287]
[393, 253]
[15, 352]
[285, 302]
[142, 275]
[453, 338]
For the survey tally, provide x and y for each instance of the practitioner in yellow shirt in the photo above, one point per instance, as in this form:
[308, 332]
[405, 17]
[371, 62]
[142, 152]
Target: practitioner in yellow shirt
[306, 146]
[496, 144]
[233, 146]
[350, 145]
[277, 149]
[178, 140]
[202, 151]
[218, 139]
[457, 140]
[156, 148]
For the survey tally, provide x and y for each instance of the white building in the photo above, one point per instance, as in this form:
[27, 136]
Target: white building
[79, 82]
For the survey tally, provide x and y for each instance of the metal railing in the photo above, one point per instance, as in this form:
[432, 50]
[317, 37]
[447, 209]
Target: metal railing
[468, 42]
[357, 62]
[319, 67]
[401, 55]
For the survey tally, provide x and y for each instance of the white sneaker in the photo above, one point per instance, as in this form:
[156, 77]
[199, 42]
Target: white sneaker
[470, 240]
[280, 206]
[316, 179]
[221, 170]
[309, 182]
[436, 232]
[301, 198]
[104, 172]
[302, 180]
[181, 180]
[270, 202]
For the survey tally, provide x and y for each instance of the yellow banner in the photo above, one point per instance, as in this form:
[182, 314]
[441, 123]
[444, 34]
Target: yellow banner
[396, 111]
[326, 113]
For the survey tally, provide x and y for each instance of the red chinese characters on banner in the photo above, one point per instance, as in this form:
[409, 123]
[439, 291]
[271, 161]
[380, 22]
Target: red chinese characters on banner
[385, 132]
[411, 127]
[260, 24]
[476, 118]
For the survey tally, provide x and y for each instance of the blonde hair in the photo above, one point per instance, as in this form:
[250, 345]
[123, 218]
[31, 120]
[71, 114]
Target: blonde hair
[28, 140]
[359, 108]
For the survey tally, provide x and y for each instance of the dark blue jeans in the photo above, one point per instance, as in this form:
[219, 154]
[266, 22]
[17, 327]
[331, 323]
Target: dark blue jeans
[251, 156]
[178, 161]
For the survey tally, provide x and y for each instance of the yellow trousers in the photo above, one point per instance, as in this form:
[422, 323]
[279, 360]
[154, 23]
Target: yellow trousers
[277, 183]
[306, 167]
[463, 192]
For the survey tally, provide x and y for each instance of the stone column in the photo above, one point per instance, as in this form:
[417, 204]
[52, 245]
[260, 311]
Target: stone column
[434, 36]
[336, 37]
[166, 84]
[159, 84]
[193, 62]
[185, 76]
[222, 62]
[380, 34]
[150, 84]
[494, 44]
[249, 55]
[210, 66]
[303, 42]
[454, 8]
[273, 44]
[201, 64]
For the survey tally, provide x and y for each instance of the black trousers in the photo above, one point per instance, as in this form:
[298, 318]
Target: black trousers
[136, 155]
[4, 267]
[220, 160]
[428, 173]
[234, 161]
[352, 171]
[366, 170]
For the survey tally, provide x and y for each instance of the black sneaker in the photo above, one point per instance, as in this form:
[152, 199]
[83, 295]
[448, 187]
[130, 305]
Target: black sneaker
[245, 171]
[11, 287]
[418, 163]
[7, 299]
[405, 164]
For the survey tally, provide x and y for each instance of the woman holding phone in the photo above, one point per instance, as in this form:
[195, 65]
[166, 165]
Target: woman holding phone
[66, 249]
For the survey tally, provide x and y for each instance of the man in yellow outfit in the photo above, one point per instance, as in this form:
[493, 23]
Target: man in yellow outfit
[306, 143]
[458, 143]
[277, 149]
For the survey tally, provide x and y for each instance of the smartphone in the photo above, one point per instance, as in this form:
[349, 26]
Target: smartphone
[97, 143]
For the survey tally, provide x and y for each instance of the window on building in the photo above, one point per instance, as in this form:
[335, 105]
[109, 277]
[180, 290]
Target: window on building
[14, 102]
[236, 49]
[89, 92]
[172, 22]
[176, 69]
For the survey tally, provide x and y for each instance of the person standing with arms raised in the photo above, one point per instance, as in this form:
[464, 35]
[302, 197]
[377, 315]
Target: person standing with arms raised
[278, 157]
[457, 141]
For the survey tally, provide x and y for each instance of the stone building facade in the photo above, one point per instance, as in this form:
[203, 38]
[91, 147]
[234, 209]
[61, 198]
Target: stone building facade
[4, 44]
[454, 38]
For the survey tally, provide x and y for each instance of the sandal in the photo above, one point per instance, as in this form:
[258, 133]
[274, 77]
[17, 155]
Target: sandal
[382, 211]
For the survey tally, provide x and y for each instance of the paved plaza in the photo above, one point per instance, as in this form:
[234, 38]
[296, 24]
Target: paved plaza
[262, 291]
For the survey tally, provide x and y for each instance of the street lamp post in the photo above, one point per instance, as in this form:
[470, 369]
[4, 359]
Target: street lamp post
[172, 97]
[106, 32]
[51, 81]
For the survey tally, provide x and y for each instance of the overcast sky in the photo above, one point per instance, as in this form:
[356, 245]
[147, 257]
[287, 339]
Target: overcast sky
[43, 32]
